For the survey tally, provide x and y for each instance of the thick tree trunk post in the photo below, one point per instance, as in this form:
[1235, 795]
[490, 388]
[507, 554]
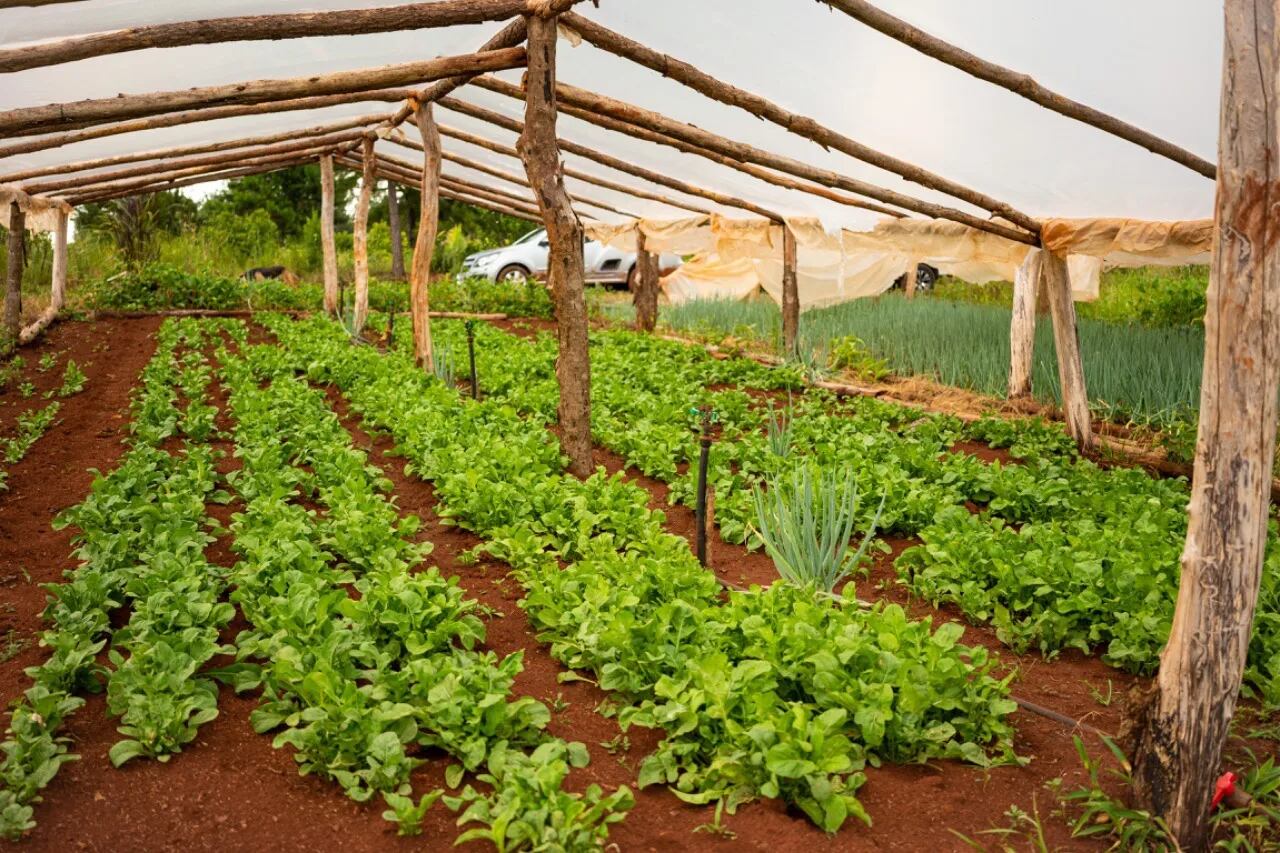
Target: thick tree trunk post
[360, 241]
[397, 242]
[790, 295]
[1066, 342]
[646, 295]
[327, 246]
[566, 273]
[58, 287]
[913, 277]
[424, 247]
[13, 282]
[1022, 328]
[1177, 738]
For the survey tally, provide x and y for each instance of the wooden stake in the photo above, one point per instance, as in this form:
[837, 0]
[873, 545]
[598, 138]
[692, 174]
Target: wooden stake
[13, 281]
[1066, 343]
[360, 238]
[1022, 326]
[425, 245]
[646, 286]
[688, 75]
[68, 116]
[58, 289]
[328, 246]
[566, 272]
[397, 242]
[912, 278]
[790, 295]
[415, 16]
[1175, 738]
[1019, 84]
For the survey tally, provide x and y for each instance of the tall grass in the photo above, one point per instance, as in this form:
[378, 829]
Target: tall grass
[1131, 370]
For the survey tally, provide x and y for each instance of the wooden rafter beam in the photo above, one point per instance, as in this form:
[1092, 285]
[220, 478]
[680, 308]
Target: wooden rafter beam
[500, 120]
[411, 180]
[413, 16]
[59, 140]
[179, 183]
[1020, 84]
[208, 148]
[78, 114]
[674, 133]
[717, 90]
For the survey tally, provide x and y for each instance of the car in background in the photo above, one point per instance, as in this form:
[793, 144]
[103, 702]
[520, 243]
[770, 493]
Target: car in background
[926, 278]
[527, 258]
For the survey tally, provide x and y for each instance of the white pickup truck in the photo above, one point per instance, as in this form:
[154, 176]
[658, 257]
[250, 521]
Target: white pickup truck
[527, 258]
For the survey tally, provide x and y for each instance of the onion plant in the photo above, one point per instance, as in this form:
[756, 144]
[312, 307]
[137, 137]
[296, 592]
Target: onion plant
[779, 425]
[806, 522]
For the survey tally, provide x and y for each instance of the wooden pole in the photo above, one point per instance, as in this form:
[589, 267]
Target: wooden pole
[172, 153]
[425, 245]
[1177, 734]
[511, 178]
[1019, 84]
[415, 16]
[69, 116]
[328, 245]
[566, 272]
[1066, 343]
[58, 288]
[646, 284]
[615, 163]
[790, 295]
[912, 278]
[13, 280]
[59, 140]
[414, 179]
[699, 81]
[397, 242]
[360, 239]
[1022, 326]
[99, 195]
[239, 157]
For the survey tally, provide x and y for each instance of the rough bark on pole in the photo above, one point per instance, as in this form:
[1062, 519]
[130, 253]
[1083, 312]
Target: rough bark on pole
[1066, 343]
[1176, 736]
[360, 241]
[1022, 326]
[646, 280]
[790, 295]
[328, 247]
[566, 273]
[58, 287]
[912, 279]
[13, 279]
[397, 242]
[425, 245]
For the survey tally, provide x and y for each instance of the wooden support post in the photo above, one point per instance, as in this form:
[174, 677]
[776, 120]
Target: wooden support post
[58, 288]
[566, 272]
[397, 239]
[1066, 342]
[360, 241]
[424, 247]
[790, 295]
[328, 248]
[912, 278]
[646, 286]
[1175, 737]
[1022, 328]
[13, 280]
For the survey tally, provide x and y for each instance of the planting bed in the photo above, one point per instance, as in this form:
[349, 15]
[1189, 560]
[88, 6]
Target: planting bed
[538, 644]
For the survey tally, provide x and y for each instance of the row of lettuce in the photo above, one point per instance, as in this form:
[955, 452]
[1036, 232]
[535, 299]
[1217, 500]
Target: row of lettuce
[31, 425]
[773, 693]
[1055, 552]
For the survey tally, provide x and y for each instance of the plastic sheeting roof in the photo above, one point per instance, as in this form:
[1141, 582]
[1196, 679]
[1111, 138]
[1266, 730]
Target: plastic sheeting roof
[1154, 63]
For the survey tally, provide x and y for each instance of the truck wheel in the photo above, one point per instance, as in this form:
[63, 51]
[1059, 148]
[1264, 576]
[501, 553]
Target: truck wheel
[513, 274]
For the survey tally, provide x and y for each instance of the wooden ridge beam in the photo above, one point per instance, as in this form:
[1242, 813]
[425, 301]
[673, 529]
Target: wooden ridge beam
[669, 129]
[500, 120]
[59, 140]
[1020, 84]
[78, 114]
[218, 158]
[413, 16]
[208, 148]
[717, 90]
[508, 151]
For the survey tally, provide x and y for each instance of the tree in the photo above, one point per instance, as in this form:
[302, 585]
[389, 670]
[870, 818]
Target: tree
[289, 196]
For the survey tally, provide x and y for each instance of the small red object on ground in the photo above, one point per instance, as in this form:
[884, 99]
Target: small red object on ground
[1226, 787]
